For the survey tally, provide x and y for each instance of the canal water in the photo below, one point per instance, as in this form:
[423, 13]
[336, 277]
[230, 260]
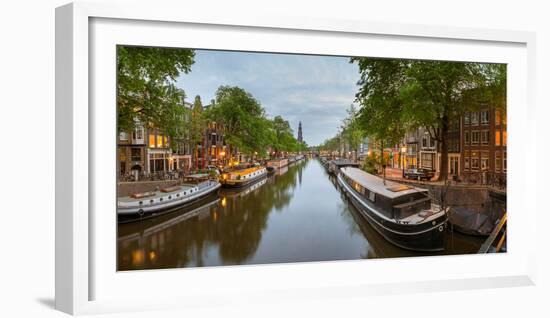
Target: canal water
[296, 215]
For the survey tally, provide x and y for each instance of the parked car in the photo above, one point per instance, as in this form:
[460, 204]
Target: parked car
[419, 174]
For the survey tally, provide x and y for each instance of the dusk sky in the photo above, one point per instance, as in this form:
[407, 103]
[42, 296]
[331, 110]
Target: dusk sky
[315, 90]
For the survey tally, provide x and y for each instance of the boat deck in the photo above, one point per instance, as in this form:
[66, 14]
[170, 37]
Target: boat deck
[157, 195]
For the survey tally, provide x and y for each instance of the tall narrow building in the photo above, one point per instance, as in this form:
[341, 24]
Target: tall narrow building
[300, 139]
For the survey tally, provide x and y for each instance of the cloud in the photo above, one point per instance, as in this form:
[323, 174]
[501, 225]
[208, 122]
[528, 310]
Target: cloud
[315, 90]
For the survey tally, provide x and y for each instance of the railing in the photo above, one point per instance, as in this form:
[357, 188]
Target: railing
[496, 180]
[153, 176]
[498, 236]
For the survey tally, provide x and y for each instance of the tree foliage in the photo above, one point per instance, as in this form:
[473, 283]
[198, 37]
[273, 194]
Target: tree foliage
[243, 119]
[146, 89]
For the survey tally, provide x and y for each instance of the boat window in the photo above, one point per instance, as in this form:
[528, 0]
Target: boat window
[177, 195]
[152, 201]
[160, 199]
[372, 196]
[169, 197]
[140, 202]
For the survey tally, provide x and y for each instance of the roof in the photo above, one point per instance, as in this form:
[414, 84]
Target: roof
[344, 162]
[376, 184]
[198, 175]
[245, 171]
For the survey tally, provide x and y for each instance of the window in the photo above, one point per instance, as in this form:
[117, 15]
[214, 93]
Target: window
[485, 137]
[432, 143]
[152, 141]
[159, 141]
[504, 138]
[466, 137]
[484, 117]
[136, 154]
[498, 161]
[123, 136]
[466, 163]
[425, 142]
[467, 119]
[474, 161]
[475, 164]
[504, 162]
[475, 137]
[137, 134]
[484, 160]
[475, 118]
[497, 138]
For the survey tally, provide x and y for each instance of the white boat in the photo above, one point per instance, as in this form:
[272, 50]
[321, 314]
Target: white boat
[146, 204]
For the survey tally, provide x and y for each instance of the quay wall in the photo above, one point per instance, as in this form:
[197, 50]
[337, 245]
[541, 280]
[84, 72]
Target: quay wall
[480, 199]
[126, 188]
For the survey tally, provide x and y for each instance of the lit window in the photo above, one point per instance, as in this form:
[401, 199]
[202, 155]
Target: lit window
[151, 141]
[497, 117]
[166, 141]
[159, 141]
[497, 138]
[504, 138]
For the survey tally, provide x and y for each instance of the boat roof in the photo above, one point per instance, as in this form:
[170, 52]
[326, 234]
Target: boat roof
[344, 162]
[157, 195]
[198, 176]
[376, 184]
[246, 171]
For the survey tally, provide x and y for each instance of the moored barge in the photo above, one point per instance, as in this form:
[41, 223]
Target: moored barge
[404, 215]
[242, 177]
[335, 165]
[143, 205]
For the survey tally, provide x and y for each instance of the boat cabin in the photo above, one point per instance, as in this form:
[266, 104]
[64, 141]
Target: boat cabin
[393, 200]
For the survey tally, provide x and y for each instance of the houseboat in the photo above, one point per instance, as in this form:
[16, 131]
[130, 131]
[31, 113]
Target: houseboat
[277, 163]
[404, 215]
[142, 205]
[242, 177]
[335, 165]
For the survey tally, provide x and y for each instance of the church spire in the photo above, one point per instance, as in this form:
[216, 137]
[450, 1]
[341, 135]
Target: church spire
[300, 138]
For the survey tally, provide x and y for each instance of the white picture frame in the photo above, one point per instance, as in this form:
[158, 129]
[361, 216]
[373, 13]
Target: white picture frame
[85, 280]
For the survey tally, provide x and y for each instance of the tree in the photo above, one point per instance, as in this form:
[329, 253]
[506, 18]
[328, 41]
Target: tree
[246, 128]
[351, 130]
[146, 90]
[381, 107]
[283, 136]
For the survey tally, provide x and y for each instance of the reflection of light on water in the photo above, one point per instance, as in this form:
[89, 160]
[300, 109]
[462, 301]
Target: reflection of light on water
[137, 257]
[224, 202]
[152, 255]
[215, 216]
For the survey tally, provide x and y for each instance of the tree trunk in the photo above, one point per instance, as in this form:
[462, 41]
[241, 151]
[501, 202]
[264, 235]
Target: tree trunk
[444, 163]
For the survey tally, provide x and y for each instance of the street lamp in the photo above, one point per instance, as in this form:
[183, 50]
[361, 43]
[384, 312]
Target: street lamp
[403, 152]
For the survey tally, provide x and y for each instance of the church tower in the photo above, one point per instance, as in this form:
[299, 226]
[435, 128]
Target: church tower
[300, 139]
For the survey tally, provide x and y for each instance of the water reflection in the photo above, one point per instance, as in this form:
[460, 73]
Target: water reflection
[298, 214]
